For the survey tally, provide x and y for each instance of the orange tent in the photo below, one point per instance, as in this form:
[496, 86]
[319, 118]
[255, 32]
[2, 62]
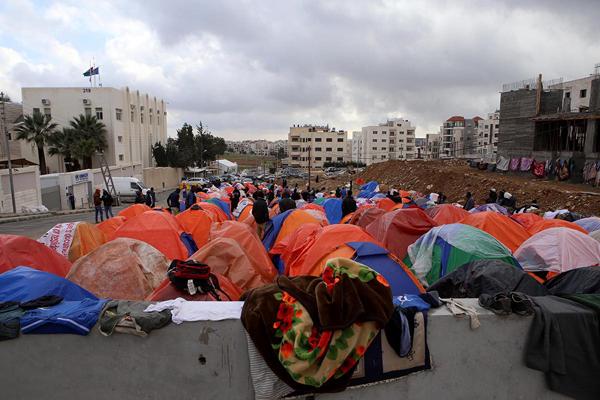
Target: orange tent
[273, 211]
[18, 251]
[246, 212]
[292, 247]
[296, 219]
[507, 231]
[553, 223]
[73, 239]
[197, 223]
[218, 215]
[313, 206]
[346, 219]
[386, 204]
[110, 225]
[158, 229]
[134, 210]
[324, 246]
[446, 214]
[226, 256]
[526, 219]
[366, 216]
[400, 228]
[124, 268]
[166, 291]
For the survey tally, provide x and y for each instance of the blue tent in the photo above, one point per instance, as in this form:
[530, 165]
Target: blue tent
[223, 205]
[273, 227]
[333, 210]
[401, 280]
[590, 224]
[368, 190]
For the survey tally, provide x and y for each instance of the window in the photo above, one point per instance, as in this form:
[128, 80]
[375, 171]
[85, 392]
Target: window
[141, 117]
[120, 139]
[121, 158]
[583, 93]
[132, 116]
[317, 148]
[99, 113]
[150, 118]
[497, 126]
[340, 149]
[329, 140]
[340, 140]
[48, 112]
[88, 111]
[375, 148]
[568, 95]
[118, 113]
[374, 140]
[317, 158]
[328, 149]
[383, 132]
[133, 185]
[384, 148]
[383, 140]
[327, 158]
[340, 158]
[383, 157]
[158, 120]
[318, 139]
[36, 110]
[374, 132]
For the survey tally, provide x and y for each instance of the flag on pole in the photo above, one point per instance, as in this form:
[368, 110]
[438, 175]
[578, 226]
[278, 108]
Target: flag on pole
[92, 71]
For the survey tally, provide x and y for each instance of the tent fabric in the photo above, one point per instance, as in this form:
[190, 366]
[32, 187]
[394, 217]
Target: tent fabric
[445, 248]
[292, 247]
[584, 280]
[73, 239]
[486, 277]
[590, 224]
[558, 250]
[527, 220]
[333, 210]
[225, 206]
[320, 248]
[76, 317]
[284, 224]
[166, 291]
[226, 256]
[386, 204]
[197, 223]
[125, 269]
[368, 190]
[399, 229]
[248, 241]
[510, 233]
[25, 284]
[401, 280]
[134, 210]
[595, 235]
[160, 230]
[313, 206]
[554, 223]
[446, 214]
[489, 207]
[364, 216]
[22, 251]
[109, 226]
[217, 214]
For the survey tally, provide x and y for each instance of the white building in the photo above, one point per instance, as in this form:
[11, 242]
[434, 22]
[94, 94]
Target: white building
[432, 146]
[487, 135]
[134, 121]
[225, 167]
[459, 137]
[391, 140]
[316, 145]
[576, 93]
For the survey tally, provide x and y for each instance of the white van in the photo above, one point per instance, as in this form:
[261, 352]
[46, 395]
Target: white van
[126, 187]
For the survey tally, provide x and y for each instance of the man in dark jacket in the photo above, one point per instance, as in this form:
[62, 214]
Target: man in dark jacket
[260, 212]
[173, 201]
[151, 198]
[235, 199]
[139, 197]
[348, 204]
[286, 203]
[107, 201]
[191, 197]
[470, 203]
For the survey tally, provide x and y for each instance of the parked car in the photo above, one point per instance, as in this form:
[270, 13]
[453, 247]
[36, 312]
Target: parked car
[197, 181]
[127, 186]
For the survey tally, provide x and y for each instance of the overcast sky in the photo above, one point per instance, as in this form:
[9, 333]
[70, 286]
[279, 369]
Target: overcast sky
[250, 69]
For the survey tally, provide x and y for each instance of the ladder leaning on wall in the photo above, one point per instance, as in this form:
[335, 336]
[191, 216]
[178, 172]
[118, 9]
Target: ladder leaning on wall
[108, 180]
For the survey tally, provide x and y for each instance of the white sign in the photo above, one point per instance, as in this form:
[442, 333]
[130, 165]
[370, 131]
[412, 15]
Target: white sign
[82, 177]
[60, 237]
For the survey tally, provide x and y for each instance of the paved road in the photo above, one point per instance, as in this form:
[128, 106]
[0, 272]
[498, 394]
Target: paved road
[37, 227]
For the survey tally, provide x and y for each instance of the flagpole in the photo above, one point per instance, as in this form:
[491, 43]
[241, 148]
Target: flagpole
[90, 73]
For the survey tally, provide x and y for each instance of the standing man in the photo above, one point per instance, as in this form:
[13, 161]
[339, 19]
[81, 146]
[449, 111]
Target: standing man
[348, 204]
[107, 200]
[98, 205]
[153, 197]
[286, 203]
[470, 204]
[173, 201]
[260, 212]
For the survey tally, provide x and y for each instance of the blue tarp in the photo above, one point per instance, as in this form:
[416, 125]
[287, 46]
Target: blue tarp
[368, 190]
[76, 317]
[223, 205]
[333, 210]
[590, 224]
[273, 227]
[378, 259]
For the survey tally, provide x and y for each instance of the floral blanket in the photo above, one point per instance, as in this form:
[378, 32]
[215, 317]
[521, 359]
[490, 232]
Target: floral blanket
[312, 331]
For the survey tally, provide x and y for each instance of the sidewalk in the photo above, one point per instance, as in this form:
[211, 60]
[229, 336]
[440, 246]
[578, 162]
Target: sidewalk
[6, 218]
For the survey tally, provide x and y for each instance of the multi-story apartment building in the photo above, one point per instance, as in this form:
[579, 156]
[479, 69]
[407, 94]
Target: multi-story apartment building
[391, 140]
[315, 145]
[459, 137]
[11, 114]
[420, 147]
[134, 121]
[432, 145]
[487, 135]
[260, 147]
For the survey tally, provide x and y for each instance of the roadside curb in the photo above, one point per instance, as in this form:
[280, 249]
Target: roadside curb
[28, 217]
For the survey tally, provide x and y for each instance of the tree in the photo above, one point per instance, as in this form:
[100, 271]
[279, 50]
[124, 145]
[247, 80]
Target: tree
[61, 143]
[186, 149]
[89, 137]
[159, 152]
[208, 147]
[37, 128]
[172, 152]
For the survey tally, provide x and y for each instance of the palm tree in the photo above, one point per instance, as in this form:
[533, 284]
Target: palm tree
[61, 143]
[89, 137]
[37, 128]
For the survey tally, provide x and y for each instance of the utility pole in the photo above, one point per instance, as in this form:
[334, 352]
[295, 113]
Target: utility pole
[309, 163]
[7, 146]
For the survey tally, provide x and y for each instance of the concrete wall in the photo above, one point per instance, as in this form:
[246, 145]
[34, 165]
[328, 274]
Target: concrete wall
[26, 185]
[209, 360]
[162, 178]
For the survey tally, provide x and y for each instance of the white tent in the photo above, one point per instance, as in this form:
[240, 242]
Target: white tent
[226, 167]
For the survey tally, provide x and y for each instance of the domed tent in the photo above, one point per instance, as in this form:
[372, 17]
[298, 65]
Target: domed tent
[446, 214]
[510, 233]
[400, 228]
[160, 230]
[292, 247]
[557, 250]
[73, 239]
[166, 291]
[386, 204]
[123, 268]
[109, 226]
[590, 224]
[445, 248]
[585, 280]
[287, 222]
[223, 204]
[134, 210]
[196, 222]
[228, 258]
[218, 215]
[554, 223]
[333, 210]
[489, 207]
[21, 251]
[327, 243]
[596, 235]
[364, 216]
[527, 220]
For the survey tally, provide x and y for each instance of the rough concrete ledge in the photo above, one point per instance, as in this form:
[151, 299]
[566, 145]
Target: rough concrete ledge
[28, 217]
